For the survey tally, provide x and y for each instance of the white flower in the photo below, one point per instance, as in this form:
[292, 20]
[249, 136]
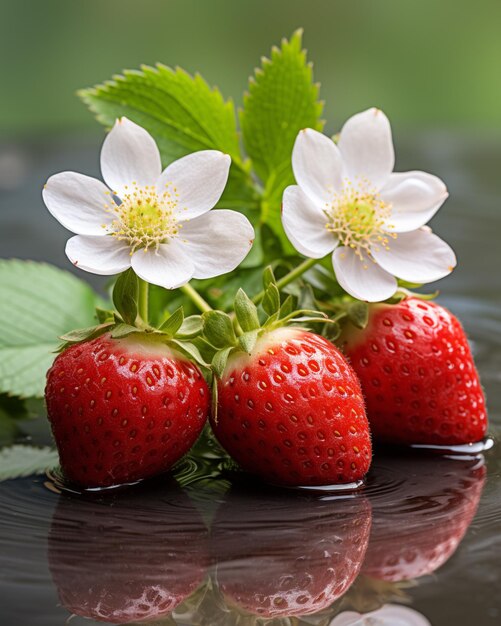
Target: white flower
[158, 223]
[388, 615]
[349, 202]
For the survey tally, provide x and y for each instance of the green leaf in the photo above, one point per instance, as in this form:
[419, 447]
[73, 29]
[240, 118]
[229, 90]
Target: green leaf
[39, 303]
[104, 315]
[282, 100]
[18, 461]
[125, 296]
[220, 360]
[248, 340]
[83, 334]
[218, 329]
[191, 327]
[124, 330]
[358, 314]
[271, 300]
[183, 114]
[268, 276]
[173, 323]
[246, 312]
[190, 350]
[287, 307]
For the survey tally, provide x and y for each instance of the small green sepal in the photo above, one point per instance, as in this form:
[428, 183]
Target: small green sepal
[246, 312]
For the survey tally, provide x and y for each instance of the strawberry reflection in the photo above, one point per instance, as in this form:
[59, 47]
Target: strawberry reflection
[130, 557]
[422, 508]
[287, 554]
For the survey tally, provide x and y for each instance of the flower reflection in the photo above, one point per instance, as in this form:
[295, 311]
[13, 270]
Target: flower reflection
[283, 554]
[129, 557]
[388, 615]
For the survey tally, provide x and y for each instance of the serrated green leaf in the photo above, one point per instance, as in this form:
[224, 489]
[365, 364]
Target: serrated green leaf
[282, 100]
[39, 303]
[246, 312]
[18, 461]
[183, 114]
[173, 323]
[125, 296]
[218, 329]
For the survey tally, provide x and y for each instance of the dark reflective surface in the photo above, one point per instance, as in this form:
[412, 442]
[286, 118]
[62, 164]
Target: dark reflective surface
[211, 549]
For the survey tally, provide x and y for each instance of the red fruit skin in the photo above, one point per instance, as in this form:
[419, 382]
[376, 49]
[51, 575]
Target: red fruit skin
[417, 374]
[129, 558]
[122, 411]
[285, 555]
[421, 515]
[292, 412]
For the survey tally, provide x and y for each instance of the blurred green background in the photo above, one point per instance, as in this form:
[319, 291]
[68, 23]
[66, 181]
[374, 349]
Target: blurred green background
[427, 63]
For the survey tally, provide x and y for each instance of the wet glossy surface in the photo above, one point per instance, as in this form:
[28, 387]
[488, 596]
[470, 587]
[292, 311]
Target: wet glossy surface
[210, 548]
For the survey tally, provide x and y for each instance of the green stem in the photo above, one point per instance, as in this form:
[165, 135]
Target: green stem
[196, 298]
[289, 278]
[142, 304]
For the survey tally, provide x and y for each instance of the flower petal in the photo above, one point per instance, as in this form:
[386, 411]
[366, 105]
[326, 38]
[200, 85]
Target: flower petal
[418, 257]
[169, 267]
[199, 179]
[317, 165]
[366, 147]
[364, 280]
[217, 242]
[79, 203]
[305, 224]
[387, 615]
[98, 255]
[415, 198]
[129, 154]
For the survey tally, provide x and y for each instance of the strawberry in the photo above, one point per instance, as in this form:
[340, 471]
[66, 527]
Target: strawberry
[130, 557]
[421, 515]
[287, 554]
[417, 375]
[291, 411]
[123, 409]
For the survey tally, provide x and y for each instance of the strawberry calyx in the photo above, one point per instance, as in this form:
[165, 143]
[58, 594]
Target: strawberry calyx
[176, 331]
[227, 333]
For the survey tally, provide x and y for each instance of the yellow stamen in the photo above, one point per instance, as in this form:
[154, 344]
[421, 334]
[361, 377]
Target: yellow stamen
[359, 218]
[146, 217]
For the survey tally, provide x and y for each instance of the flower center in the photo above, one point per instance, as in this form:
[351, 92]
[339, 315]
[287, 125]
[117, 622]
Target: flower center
[359, 219]
[145, 218]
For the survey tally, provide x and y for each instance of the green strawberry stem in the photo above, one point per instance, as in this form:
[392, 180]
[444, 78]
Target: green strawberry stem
[289, 278]
[196, 298]
[142, 304]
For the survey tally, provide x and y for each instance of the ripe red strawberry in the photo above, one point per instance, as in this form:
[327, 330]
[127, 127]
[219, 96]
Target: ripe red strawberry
[417, 375]
[421, 515]
[292, 411]
[283, 554]
[127, 558]
[123, 409]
